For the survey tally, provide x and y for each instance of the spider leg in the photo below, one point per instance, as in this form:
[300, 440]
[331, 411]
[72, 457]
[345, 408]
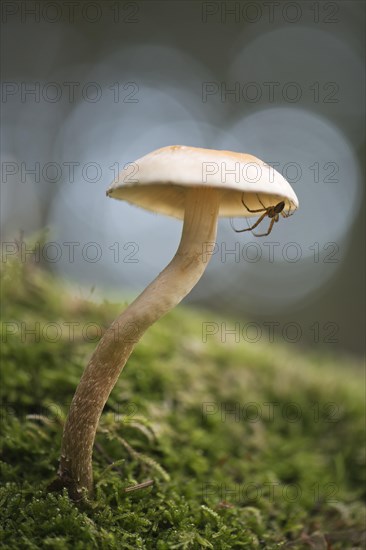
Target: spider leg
[249, 210]
[269, 229]
[261, 201]
[290, 212]
[253, 226]
[287, 214]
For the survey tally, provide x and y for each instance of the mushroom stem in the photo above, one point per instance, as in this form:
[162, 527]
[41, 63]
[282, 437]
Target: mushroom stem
[116, 345]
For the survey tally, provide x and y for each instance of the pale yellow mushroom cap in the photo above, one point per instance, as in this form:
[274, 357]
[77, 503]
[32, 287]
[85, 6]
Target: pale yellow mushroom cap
[158, 181]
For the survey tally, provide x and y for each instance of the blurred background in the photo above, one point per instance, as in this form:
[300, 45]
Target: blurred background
[90, 86]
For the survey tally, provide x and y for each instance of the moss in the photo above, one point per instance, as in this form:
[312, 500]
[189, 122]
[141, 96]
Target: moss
[242, 446]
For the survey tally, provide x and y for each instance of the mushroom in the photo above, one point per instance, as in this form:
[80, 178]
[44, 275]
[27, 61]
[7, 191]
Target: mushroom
[195, 185]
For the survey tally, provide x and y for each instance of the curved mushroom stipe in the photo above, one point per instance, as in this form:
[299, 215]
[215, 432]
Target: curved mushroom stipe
[190, 183]
[101, 374]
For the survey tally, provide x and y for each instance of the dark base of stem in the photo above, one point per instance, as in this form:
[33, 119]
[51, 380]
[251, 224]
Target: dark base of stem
[75, 492]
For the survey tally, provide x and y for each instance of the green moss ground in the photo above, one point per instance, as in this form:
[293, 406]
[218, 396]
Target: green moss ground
[292, 478]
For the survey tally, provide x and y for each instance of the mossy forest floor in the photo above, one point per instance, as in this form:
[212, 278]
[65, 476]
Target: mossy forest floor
[241, 445]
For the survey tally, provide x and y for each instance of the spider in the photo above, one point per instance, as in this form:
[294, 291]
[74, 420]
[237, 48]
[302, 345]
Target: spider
[273, 212]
